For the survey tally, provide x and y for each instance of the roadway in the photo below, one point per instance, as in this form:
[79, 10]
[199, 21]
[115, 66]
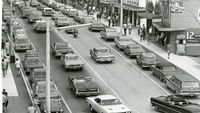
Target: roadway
[122, 78]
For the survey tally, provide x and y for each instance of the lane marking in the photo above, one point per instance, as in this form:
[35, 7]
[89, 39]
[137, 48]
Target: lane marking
[128, 61]
[93, 70]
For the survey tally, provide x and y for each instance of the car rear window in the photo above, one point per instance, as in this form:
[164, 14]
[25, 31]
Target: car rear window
[110, 102]
[191, 85]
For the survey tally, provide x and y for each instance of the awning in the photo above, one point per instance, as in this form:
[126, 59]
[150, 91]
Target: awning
[148, 15]
[161, 27]
[129, 7]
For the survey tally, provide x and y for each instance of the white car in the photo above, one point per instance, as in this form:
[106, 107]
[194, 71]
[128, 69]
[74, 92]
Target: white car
[106, 104]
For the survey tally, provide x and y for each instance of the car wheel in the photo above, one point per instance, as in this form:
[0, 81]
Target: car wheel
[91, 109]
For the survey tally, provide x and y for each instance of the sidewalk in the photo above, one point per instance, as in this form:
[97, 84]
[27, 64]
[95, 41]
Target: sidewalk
[184, 62]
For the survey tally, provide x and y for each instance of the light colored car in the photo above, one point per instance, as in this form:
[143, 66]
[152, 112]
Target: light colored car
[133, 50]
[66, 9]
[39, 89]
[56, 15]
[47, 12]
[36, 75]
[79, 16]
[96, 26]
[25, 12]
[19, 32]
[61, 21]
[102, 54]
[31, 53]
[72, 61]
[123, 41]
[83, 86]
[87, 19]
[40, 25]
[59, 48]
[147, 59]
[109, 34]
[22, 43]
[34, 3]
[40, 7]
[33, 17]
[56, 106]
[72, 12]
[31, 63]
[59, 7]
[106, 104]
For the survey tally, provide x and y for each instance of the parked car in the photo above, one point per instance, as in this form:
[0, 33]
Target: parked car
[106, 104]
[56, 106]
[6, 14]
[61, 21]
[147, 59]
[72, 12]
[72, 61]
[39, 89]
[83, 86]
[183, 84]
[56, 15]
[96, 26]
[22, 43]
[59, 48]
[47, 12]
[25, 12]
[133, 50]
[123, 41]
[31, 63]
[79, 16]
[87, 19]
[109, 33]
[70, 30]
[40, 7]
[163, 69]
[31, 53]
[34, 3]
[59, 7]
[36, 75]
[102, 54]
[33, 17]
[39, 25]
[18, 32]
[174, 104]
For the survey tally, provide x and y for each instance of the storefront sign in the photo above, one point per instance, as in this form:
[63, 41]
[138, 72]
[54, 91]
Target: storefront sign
[193, 38]
[131, 2]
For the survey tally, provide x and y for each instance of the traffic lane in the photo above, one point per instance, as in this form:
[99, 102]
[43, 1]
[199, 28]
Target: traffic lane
[129, 83]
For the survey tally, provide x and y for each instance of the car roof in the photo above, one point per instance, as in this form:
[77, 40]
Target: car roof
[106, 97]
[166, 64]
[39, 69]
[148, 54]
[124, 36]
[47, 8]
[135, 45]
[185, 77]
[98, 48]
[70, 54]
[33, 58]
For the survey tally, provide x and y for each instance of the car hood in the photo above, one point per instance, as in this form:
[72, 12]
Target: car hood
[116, 108]
[86, 86]
[62, 21]
[169, 72]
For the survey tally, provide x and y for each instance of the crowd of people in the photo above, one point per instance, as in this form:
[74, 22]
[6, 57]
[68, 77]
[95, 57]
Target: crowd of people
[5, 56]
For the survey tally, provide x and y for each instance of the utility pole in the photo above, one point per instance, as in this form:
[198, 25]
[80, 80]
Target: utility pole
[11, 27]
[121, 17]
[47, 67]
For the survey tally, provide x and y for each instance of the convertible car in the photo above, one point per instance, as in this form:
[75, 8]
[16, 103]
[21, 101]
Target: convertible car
[174, 104]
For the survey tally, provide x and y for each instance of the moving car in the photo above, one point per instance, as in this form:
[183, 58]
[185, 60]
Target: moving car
[47, 12]
[123, 41]
[102, 54]
[56, 106]
[106, 104]
[163, 69]
[96, 26]
[83, 86]
[37, 75]
[33, 17]
[146, 59]
[61, 21]
[31, 63]
[174, 104]
[59, 48]
[40, 25]
[70, 30]
[56, 15]
[109, 34]
[22, 43]
[133, 50]
[72, 61]
[39, 89]
[183, 84]
[87, 19]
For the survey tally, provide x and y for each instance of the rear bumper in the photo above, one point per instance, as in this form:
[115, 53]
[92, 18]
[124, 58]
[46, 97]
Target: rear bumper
[105, 59]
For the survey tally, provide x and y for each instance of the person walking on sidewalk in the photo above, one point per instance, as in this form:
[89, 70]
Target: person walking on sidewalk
[109, 21]
[5, 100]
[17, 66]
[129, 28]
[3, 66]
[125, 28]
[31, 109]
[141, 34]
[144, 32]
[113, 20]
[3, 44]
[7, 46]
[7, 62]
[168, 51]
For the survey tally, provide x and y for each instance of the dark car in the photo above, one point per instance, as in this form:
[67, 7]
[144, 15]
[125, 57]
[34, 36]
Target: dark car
[174, 104]
[70, 30]
[60, 48]
[133, 50]
[83, 86]
[31, 63]
[102, 54]
[147, 59]
[56, 106]
[163, 69]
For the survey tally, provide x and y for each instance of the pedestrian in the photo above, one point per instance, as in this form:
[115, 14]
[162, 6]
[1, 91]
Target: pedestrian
[4, 92]
[129, 28]
[113, 20]
[125, 28]
[150, 31]
[144, 32]
[117, 20]
[36, 102]
[109, 21]
[17, 66]
[7, 62]
[168, 50]
[31, 109]
[148, 39]
[3, 46]
[3, 67]
[141, 34]
[7, 46]
[4, 101]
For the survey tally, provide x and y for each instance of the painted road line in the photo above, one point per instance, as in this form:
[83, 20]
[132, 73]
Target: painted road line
[94, 70]
[134, 66]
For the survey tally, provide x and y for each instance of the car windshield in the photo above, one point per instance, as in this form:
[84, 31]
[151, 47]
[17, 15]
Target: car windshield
[125, 39]
[21, 40]
[33, 61]
[135, 47]
[169, 68]
[102, 51]
[83, 80]
[72, 57]
[61, 46]
[42, 88]
[191, 85]
[110, 102]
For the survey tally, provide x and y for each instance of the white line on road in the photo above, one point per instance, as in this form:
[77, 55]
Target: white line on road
[134, 66]
[93, 70]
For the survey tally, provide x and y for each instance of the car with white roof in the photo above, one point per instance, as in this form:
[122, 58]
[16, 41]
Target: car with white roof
[109, 33]
[59, 48]
[19, 32]
[39, 25]
[133, 50]
[106, 104]
[123, 41]
[96, 26]
[145, 60]
[22, 43]
[56, 15]
[87, 19]
[61, 21]
[47, 12]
